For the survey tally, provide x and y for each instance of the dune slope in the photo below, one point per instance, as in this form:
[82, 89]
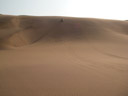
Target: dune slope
[63, 56]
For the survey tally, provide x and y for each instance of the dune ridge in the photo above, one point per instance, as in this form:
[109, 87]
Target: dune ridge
[23, 30]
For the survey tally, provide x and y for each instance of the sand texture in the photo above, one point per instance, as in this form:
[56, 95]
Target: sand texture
[63, 56]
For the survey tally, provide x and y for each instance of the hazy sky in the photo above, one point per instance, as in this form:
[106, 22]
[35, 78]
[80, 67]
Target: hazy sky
[109, 9]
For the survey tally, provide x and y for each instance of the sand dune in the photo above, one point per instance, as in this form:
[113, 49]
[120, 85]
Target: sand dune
[63, 56]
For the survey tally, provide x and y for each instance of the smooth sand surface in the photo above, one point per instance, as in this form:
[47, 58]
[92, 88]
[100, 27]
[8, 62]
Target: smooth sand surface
[63, 56]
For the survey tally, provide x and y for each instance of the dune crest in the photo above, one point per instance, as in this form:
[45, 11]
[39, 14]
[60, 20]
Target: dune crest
[23, 30]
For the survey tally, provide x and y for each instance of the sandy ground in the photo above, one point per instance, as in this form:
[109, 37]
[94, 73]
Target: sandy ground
[63, 56]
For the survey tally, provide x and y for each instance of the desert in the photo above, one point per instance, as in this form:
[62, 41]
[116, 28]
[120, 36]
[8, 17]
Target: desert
[63, 56]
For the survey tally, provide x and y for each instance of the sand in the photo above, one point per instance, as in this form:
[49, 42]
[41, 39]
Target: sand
[63, 56]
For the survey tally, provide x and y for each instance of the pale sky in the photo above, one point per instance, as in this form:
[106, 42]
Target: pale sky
[107, 9]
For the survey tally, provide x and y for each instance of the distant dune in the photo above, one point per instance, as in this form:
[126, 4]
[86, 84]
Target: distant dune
[63, 56]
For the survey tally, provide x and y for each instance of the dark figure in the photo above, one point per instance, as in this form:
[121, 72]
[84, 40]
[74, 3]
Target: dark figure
[62, 20]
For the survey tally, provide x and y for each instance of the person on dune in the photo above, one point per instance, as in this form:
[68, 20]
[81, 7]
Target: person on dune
[62, 20]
